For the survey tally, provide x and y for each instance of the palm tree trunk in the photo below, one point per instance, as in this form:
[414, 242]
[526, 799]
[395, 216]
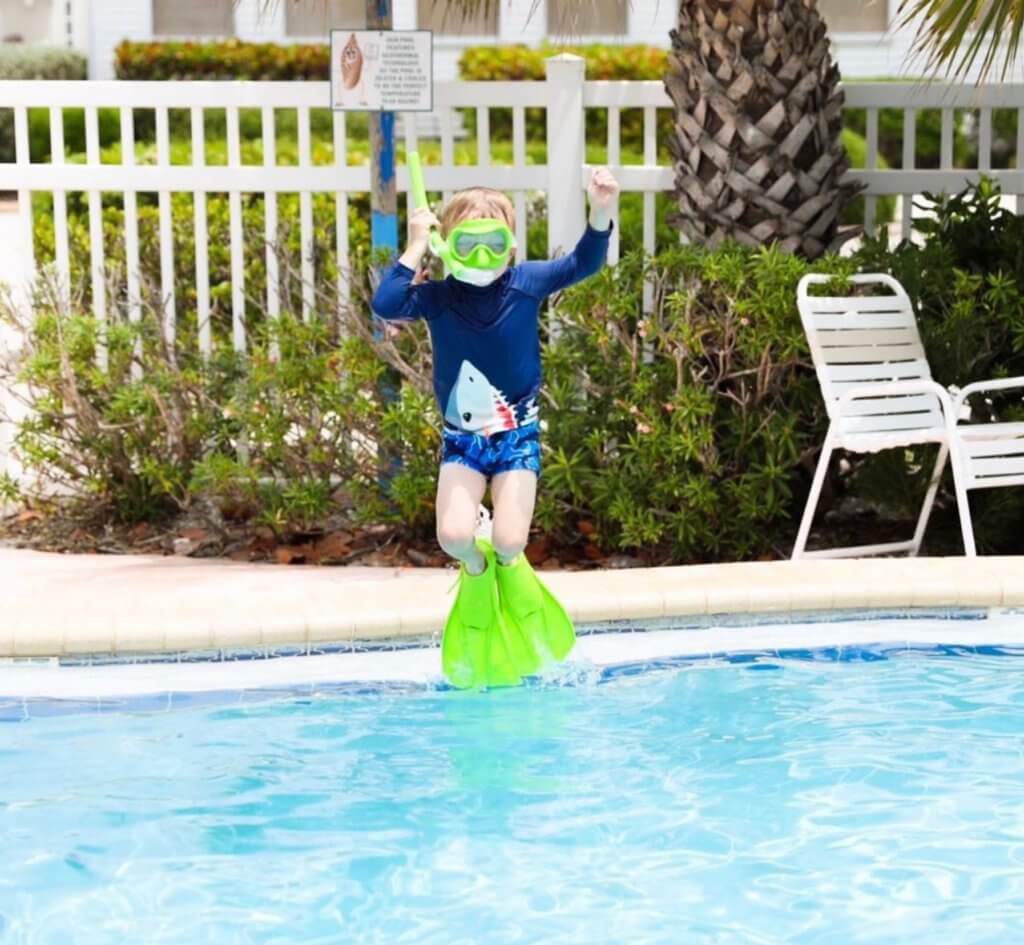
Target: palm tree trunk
[758, 154]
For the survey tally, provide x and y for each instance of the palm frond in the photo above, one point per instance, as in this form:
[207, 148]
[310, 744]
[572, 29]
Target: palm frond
[955, 35]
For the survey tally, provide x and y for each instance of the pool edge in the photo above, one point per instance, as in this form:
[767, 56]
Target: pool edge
[65, 605]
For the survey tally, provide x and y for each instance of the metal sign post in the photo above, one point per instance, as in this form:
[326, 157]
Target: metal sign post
[383, 199]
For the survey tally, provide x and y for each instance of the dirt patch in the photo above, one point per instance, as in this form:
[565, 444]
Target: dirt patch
[338, 543]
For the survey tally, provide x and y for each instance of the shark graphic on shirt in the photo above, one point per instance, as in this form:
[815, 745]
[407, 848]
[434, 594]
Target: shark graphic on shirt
[476, 405]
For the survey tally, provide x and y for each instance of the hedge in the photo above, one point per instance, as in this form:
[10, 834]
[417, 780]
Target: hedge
[221, 59]
[34, 62]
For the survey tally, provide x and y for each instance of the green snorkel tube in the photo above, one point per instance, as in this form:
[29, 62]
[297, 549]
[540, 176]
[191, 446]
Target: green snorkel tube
[438, 245]
[472, 244]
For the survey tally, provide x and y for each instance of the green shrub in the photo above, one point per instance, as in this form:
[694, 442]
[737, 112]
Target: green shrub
[221, 59]
[928, 136]
[885, 207]
[494, 63]
[41, 62]
[304, 404]
[35, 62]
[967, 285]
[519, 62]
[677, 434]
[680, 432]
[109, 123]
[305, 400]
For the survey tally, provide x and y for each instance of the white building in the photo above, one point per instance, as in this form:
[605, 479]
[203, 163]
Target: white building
[863, 38]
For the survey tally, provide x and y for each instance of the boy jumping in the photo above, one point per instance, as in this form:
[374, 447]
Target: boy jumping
[483, 322]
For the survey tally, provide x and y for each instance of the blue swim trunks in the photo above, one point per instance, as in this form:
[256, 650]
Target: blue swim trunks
[510, 449]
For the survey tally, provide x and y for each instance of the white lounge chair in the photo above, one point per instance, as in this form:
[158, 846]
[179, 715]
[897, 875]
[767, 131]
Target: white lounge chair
[880, 394]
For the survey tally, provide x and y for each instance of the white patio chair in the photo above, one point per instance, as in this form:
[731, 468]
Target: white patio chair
[880, 394]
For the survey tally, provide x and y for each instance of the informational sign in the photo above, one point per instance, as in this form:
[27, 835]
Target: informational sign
[382, 70]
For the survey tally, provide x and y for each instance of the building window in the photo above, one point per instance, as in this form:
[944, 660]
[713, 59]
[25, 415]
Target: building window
[193, 17]
[444, 18]
[591, 18]
[841, 16]
[319, 17]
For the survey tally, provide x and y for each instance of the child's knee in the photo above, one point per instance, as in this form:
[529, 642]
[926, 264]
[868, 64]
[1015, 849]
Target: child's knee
[509, 539]
[455, 537]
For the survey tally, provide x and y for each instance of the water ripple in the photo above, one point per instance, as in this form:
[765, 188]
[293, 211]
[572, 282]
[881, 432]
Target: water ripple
[815, 803]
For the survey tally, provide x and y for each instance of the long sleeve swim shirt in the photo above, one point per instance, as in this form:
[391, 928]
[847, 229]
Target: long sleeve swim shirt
[486, 340]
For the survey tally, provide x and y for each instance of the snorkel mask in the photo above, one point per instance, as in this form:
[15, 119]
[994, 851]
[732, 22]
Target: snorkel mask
[475, 249]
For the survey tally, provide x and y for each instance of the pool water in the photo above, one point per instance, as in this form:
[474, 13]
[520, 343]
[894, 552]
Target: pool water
[773, 800]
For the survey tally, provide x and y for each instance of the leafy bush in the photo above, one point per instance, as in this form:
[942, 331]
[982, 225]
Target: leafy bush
[495, 63]
[34, 62]
[967, 285]
[681, 431]
[928, 136]
[41, 62]
[303, 407]
[221, 59]
[519, 62]
[677, 435]
[885, 207]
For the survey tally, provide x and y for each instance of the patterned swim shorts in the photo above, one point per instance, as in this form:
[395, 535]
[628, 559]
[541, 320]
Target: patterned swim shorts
[490, 455]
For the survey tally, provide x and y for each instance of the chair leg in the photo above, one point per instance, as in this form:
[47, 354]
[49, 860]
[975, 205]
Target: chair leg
[929, 498]
[812, 499]
[963, 507]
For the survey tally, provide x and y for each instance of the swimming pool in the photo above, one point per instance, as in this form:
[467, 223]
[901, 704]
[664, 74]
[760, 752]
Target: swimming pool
[853, 792]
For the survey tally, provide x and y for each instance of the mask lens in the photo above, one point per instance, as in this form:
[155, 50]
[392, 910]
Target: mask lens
[496, 241]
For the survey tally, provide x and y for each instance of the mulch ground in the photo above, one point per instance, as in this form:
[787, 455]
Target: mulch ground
[336, 544]
[340, 543]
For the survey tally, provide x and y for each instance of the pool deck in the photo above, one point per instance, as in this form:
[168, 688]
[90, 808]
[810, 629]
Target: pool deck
[76, 605]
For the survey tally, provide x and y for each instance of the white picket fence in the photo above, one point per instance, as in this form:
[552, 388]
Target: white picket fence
[564, 96]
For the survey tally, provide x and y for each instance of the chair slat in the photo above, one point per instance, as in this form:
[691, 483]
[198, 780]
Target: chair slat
[997, 466]
[992, 439]
[819, 304]
[869, 354]
[875, 373]
[824, 321]
[848, 337]
[882, 406]
[926, 420]
[990, 482]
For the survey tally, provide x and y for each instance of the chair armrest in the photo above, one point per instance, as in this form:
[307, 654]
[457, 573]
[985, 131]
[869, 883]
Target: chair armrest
[895, 388]
[1002, 383]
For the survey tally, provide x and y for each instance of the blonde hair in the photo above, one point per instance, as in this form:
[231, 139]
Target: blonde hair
[477, 203]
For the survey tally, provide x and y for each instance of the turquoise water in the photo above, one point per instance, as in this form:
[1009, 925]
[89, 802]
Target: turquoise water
[777, 800]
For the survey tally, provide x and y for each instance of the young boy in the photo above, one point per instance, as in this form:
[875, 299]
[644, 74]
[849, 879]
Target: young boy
[483, 322]
[487, 375]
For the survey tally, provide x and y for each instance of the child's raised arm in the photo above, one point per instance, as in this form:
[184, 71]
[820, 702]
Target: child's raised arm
[399, 297]
[542, 278]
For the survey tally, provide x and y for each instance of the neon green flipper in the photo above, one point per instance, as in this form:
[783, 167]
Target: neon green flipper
[527, 603]
[480, 647]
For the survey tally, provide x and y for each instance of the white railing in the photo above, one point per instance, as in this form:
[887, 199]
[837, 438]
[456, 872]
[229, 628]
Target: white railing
[564, 97]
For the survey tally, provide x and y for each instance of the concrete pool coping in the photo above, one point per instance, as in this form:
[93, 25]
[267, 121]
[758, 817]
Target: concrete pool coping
[77, 605]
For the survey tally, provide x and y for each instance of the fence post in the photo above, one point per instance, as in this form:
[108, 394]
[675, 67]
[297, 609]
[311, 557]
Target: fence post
[564, 74]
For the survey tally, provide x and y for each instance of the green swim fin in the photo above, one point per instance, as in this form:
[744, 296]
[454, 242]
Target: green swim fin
[480, 647]
[527, 603]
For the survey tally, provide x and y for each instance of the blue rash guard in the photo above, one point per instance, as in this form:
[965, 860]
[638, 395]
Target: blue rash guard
[486, 339]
